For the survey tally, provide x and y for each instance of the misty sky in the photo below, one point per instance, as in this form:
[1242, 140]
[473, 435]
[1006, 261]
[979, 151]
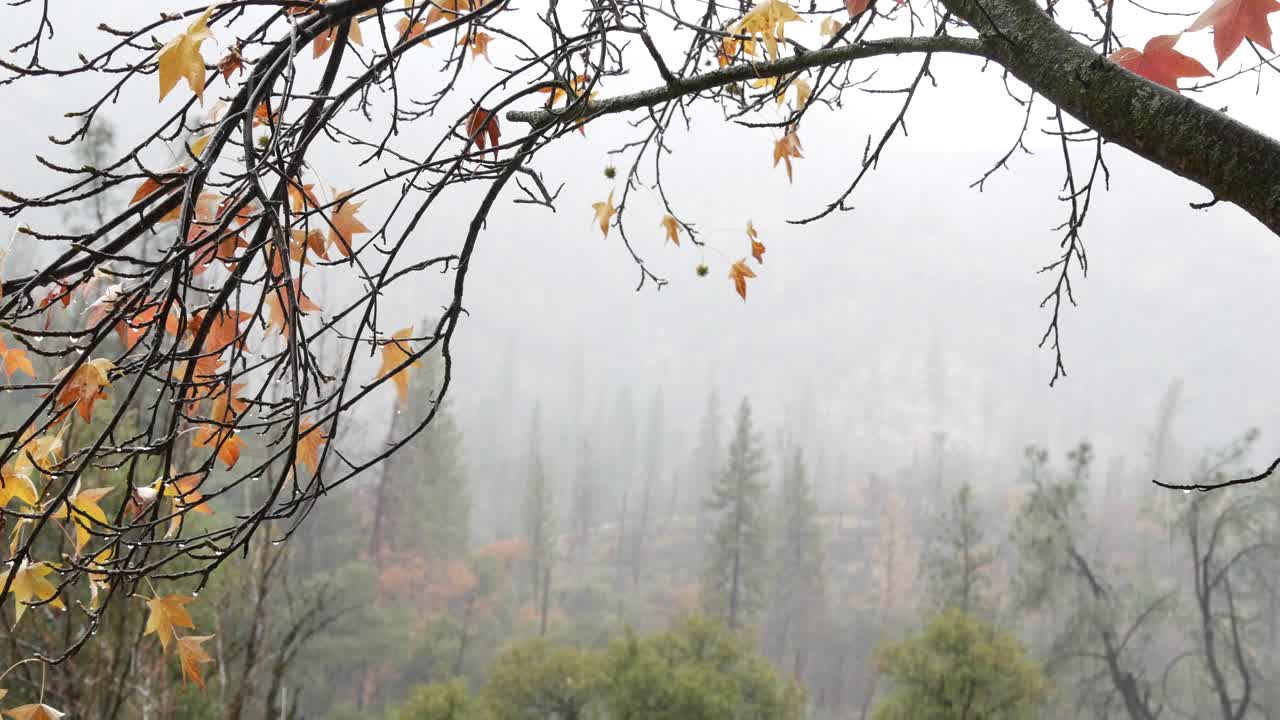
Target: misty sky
[857, 300]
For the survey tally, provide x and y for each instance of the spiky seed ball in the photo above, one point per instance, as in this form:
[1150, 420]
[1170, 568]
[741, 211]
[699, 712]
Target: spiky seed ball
[610, 171]
[702, 270]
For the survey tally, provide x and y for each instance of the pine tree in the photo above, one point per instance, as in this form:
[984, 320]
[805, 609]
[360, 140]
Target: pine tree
[958, 564]
[538, 520]
[652, 469]
[586, 504]
[735, 558]
[706, 466]
[798, 588]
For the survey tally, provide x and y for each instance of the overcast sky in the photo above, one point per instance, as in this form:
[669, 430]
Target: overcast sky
[859, 298]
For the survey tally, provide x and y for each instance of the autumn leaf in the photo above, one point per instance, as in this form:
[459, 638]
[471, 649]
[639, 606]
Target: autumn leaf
[191, 656]
[803, 91]
[84, 388]
[408, 30]
[223, 329]
[856, 7]
[151, 184]
[739, 272]
[767, 20]
[830, 26]
[224, 439]
[394, 354]
[34, 712]
[181, 58]
[310, 439]
[303, 197]
[167, 613]
[185, 495]
[84, 510]
[480, 123]
[17, 486]
[479, 45]
[230, 63]
[345, 224]
[1159, 62]
[446, 9]
[30, 586]
[262, 115]
[38, 453]
[324, 41]
[604, 212]
[15, 359]
[280, 307]
[672, 227]
[1233, 21]
[786, 148]
[305, 245]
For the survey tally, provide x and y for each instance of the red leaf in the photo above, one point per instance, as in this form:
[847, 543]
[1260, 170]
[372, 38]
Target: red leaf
[1159, 62]
[1235, 20]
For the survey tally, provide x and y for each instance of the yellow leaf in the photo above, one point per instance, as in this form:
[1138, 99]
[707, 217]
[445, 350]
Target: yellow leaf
[38, 453]
[191, 656]
[181, 58]
[672, 226]
[34, 712]
[394, 353]
[803, 91]
[29, 585]
[84, 510]
[604, 212]
[167, 613]
[15, 486]
[199, 144]
[739, 272]
[767, 19]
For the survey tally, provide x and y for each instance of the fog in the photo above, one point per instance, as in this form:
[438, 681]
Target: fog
[897, 344]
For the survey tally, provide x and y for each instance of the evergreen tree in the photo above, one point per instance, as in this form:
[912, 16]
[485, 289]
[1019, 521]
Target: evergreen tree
[586, 504]
[538, 520]
[958, 563]
[652, 468]
[798, 588]
[735, 557]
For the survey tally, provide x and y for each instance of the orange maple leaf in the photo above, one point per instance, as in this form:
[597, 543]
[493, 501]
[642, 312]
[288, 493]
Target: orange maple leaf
[303, 197]
[479, 45]
[1233, 21]
[785, 148]
[1159, 62]
[394, 354]
[345, 224]
[304, 245]
[280, 306]
[739, 272]
[191, 656]
[310, 439]
[84, 388]
[672, 227]
[604, 212]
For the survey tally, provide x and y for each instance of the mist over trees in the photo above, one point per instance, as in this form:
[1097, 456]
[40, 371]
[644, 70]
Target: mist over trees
[255, 463]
